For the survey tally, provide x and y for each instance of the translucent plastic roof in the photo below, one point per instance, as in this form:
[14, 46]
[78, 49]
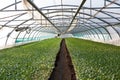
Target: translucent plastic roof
[59, 17]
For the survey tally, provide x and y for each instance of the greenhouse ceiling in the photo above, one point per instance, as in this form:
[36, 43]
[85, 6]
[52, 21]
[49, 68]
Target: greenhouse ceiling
[29, 20]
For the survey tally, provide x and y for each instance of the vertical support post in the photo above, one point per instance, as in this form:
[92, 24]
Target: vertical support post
[90, 7]
[104, 2]
[15, 4]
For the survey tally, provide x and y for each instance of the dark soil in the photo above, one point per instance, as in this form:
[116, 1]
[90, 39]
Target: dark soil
[63, 69]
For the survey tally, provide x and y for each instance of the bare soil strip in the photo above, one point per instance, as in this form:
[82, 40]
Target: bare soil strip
[63, 69]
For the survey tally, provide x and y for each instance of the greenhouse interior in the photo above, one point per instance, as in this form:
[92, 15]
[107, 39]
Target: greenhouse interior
[60, 40]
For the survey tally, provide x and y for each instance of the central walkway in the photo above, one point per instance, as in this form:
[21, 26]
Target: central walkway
[63, 69]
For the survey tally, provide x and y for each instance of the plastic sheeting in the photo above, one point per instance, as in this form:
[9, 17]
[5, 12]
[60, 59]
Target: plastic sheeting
[31, 20]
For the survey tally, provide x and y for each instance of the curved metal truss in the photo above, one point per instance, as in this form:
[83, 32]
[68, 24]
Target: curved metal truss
[27, 20]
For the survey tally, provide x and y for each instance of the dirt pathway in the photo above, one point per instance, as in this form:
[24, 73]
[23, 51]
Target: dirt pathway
[63, 69]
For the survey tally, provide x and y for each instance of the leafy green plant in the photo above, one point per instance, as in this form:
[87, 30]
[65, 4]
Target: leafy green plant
[32, 61]
[94, 61]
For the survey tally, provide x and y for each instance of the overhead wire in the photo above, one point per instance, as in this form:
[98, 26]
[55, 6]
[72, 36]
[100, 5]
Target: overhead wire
[92, 16]
[103, 8]
[12, 16]
[28, 4]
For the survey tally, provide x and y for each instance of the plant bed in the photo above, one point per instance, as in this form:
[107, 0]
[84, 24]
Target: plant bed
[94, 61]
[32, 61]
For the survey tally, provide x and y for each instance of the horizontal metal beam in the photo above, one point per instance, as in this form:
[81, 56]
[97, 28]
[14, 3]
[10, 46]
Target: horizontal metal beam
[43, 15]
[10, 5]
[77, 12]
[15, 18]
[114, 2]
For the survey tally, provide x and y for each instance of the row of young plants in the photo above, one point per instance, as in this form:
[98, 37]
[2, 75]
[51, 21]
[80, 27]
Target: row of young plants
[94, 61]
[33, 61]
